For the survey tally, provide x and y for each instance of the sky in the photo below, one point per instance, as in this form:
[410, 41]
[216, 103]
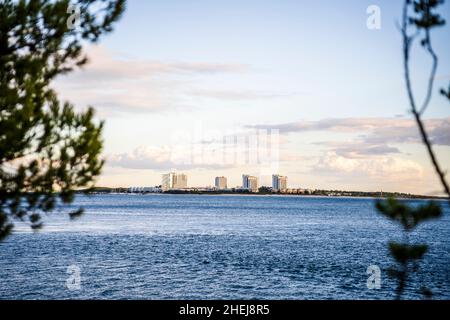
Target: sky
[299, 88]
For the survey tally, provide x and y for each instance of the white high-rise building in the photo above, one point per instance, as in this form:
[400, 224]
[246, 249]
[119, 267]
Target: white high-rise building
[173, 180]
[279, 183]
[250, 183]
[220, 183]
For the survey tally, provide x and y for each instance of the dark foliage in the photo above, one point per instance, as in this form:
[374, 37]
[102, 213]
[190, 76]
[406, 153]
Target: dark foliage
[407, 255]
[47, 149]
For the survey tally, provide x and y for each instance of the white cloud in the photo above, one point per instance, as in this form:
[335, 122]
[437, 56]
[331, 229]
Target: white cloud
[233, 95]
[385, 168]
[359, 149]
[215, 151]
[373, 130]
[182, 157]
[112, 83]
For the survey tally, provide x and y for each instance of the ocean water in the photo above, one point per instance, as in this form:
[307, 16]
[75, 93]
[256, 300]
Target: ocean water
[217, 247]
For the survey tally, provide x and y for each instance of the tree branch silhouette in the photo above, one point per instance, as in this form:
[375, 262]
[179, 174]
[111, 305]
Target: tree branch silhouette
[48, 150]
[408, 255]
[426, 22]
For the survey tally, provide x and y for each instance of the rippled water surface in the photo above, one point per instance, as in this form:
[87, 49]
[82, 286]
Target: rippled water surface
[217, 247]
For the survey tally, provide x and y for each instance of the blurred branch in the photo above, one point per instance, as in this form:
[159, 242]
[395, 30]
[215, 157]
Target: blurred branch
[426, 42]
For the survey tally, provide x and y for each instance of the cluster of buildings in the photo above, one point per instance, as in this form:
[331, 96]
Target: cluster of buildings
[279, 183]
[178, 181]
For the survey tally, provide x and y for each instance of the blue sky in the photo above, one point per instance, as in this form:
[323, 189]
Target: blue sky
[230, 65]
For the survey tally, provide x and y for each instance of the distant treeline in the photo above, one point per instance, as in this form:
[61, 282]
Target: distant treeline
[268, 191]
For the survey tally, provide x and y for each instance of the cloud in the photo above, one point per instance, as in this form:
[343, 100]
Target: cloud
[104, 65]
[359, 149]
[113, 83]
[165, 158]
[385, 168]
[370, 154]
[331, 124]
[231, 95]
[211, 152]
[405, 131]
[375, 131]
[142, 158]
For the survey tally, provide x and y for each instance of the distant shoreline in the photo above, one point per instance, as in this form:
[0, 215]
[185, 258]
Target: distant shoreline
[273, 195]
[313, 193]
